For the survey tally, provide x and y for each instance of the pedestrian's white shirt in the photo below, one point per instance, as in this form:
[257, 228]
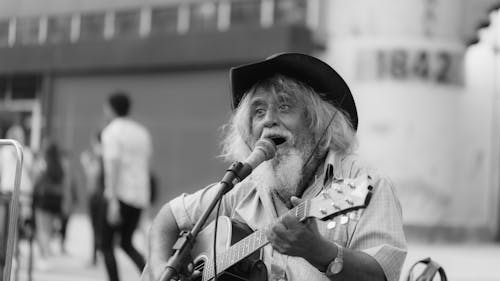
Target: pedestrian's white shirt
[128, 144]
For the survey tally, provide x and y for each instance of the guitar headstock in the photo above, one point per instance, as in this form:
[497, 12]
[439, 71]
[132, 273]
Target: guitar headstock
[341, 196]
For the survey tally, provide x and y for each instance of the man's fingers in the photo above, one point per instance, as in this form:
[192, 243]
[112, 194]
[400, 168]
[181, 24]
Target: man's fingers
[280, 230]
[291, 222]
[190, 268]
[296, 200]
[196, 274]
[276, 234]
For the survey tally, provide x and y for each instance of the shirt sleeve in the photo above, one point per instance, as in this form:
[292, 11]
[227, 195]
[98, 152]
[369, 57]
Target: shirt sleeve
[379, 232]
[187, 208]
[110, 145]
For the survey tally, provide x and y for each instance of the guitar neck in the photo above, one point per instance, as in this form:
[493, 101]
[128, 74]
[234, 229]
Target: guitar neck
[246, 246]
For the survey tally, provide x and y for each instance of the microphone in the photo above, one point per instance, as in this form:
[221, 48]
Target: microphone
[264, 150]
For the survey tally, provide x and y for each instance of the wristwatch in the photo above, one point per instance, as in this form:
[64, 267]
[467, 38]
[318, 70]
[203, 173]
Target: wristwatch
[335, 267]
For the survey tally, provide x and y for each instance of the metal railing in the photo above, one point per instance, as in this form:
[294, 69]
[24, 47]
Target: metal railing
[14, 208]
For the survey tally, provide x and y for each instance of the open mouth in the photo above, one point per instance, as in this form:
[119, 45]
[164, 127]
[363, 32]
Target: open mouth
[278, 140]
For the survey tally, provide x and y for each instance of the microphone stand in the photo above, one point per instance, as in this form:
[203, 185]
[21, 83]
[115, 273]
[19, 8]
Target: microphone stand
[186, 239]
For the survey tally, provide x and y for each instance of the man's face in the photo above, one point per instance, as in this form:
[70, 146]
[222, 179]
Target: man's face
[281, 117]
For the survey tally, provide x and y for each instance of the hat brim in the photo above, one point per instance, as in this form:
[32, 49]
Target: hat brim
[310, 70]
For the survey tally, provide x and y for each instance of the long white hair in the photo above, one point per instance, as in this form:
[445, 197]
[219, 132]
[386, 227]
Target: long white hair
[335, 134]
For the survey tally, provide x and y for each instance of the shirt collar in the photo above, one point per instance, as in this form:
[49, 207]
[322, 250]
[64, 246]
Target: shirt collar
[325, 174]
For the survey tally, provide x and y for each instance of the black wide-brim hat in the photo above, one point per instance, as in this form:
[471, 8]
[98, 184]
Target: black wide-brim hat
[307, 69]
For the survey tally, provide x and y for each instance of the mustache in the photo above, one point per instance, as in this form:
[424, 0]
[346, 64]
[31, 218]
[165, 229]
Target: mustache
[278, 135]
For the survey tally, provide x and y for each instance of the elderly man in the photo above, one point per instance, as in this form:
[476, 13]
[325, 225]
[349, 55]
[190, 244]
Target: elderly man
[307, 109]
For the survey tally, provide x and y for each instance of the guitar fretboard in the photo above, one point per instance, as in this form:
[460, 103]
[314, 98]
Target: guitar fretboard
[246, 246]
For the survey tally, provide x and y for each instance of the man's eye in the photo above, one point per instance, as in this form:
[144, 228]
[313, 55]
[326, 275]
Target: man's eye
[284, 107]
[259, 112]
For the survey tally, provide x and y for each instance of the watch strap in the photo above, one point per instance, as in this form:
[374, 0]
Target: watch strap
[333, 267]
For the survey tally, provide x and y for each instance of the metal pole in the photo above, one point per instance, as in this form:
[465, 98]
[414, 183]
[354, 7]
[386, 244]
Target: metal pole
[14, 207]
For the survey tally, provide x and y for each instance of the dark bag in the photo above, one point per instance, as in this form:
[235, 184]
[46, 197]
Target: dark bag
[430, 270]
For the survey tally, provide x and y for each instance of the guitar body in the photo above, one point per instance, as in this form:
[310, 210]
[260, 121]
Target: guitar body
[228, 232]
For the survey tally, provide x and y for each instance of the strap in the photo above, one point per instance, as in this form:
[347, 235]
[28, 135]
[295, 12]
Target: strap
[429, 271]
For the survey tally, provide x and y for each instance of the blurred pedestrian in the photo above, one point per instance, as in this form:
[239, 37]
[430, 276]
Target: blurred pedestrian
[92, 164]
[70, 201]
[127, 151]
[49, 198]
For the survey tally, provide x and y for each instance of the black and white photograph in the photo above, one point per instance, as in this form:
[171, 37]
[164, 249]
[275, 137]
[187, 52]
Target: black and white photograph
[249, 140]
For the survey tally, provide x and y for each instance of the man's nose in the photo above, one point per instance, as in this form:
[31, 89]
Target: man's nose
[271, 119]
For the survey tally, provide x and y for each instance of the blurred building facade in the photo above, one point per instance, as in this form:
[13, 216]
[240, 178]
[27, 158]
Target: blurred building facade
[427, 103]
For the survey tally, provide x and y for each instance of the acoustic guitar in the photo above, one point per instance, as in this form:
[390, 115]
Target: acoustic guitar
[237, 248]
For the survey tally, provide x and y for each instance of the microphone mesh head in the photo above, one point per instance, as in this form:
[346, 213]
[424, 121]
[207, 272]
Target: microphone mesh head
[267, 146]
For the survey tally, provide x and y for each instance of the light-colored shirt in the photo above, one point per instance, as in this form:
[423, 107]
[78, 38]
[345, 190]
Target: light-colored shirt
[376, 230]
[127, 144]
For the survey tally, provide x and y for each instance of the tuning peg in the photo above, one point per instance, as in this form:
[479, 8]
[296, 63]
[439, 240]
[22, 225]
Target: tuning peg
[351, 185]
[350, 202]
[352, 215]
[344, 219]
[325, 194]
[339, 191]
[331, 225]
[335, 206]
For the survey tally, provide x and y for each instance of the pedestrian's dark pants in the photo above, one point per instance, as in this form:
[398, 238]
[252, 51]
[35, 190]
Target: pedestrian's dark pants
[97, 219]
[129, 220]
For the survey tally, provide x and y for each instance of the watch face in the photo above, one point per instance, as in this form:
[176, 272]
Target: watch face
[335, 267]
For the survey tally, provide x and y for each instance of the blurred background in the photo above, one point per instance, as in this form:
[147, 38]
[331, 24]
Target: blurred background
[425, 75]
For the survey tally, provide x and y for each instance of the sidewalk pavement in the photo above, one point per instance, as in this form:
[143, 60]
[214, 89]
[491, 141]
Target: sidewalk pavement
[462, 262]
[75, 264]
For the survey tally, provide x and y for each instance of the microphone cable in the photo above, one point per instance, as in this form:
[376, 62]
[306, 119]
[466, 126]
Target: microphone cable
[215, 238]
[315, 149]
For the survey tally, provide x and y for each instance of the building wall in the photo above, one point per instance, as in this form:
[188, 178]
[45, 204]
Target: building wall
[10, 8]
[182, 110]
[480, 136]
[432, 136]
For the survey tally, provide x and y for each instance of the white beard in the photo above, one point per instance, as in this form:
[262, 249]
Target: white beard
[281, 174]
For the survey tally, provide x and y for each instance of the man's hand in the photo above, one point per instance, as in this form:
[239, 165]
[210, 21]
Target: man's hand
[113, 214]
[292, 237]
